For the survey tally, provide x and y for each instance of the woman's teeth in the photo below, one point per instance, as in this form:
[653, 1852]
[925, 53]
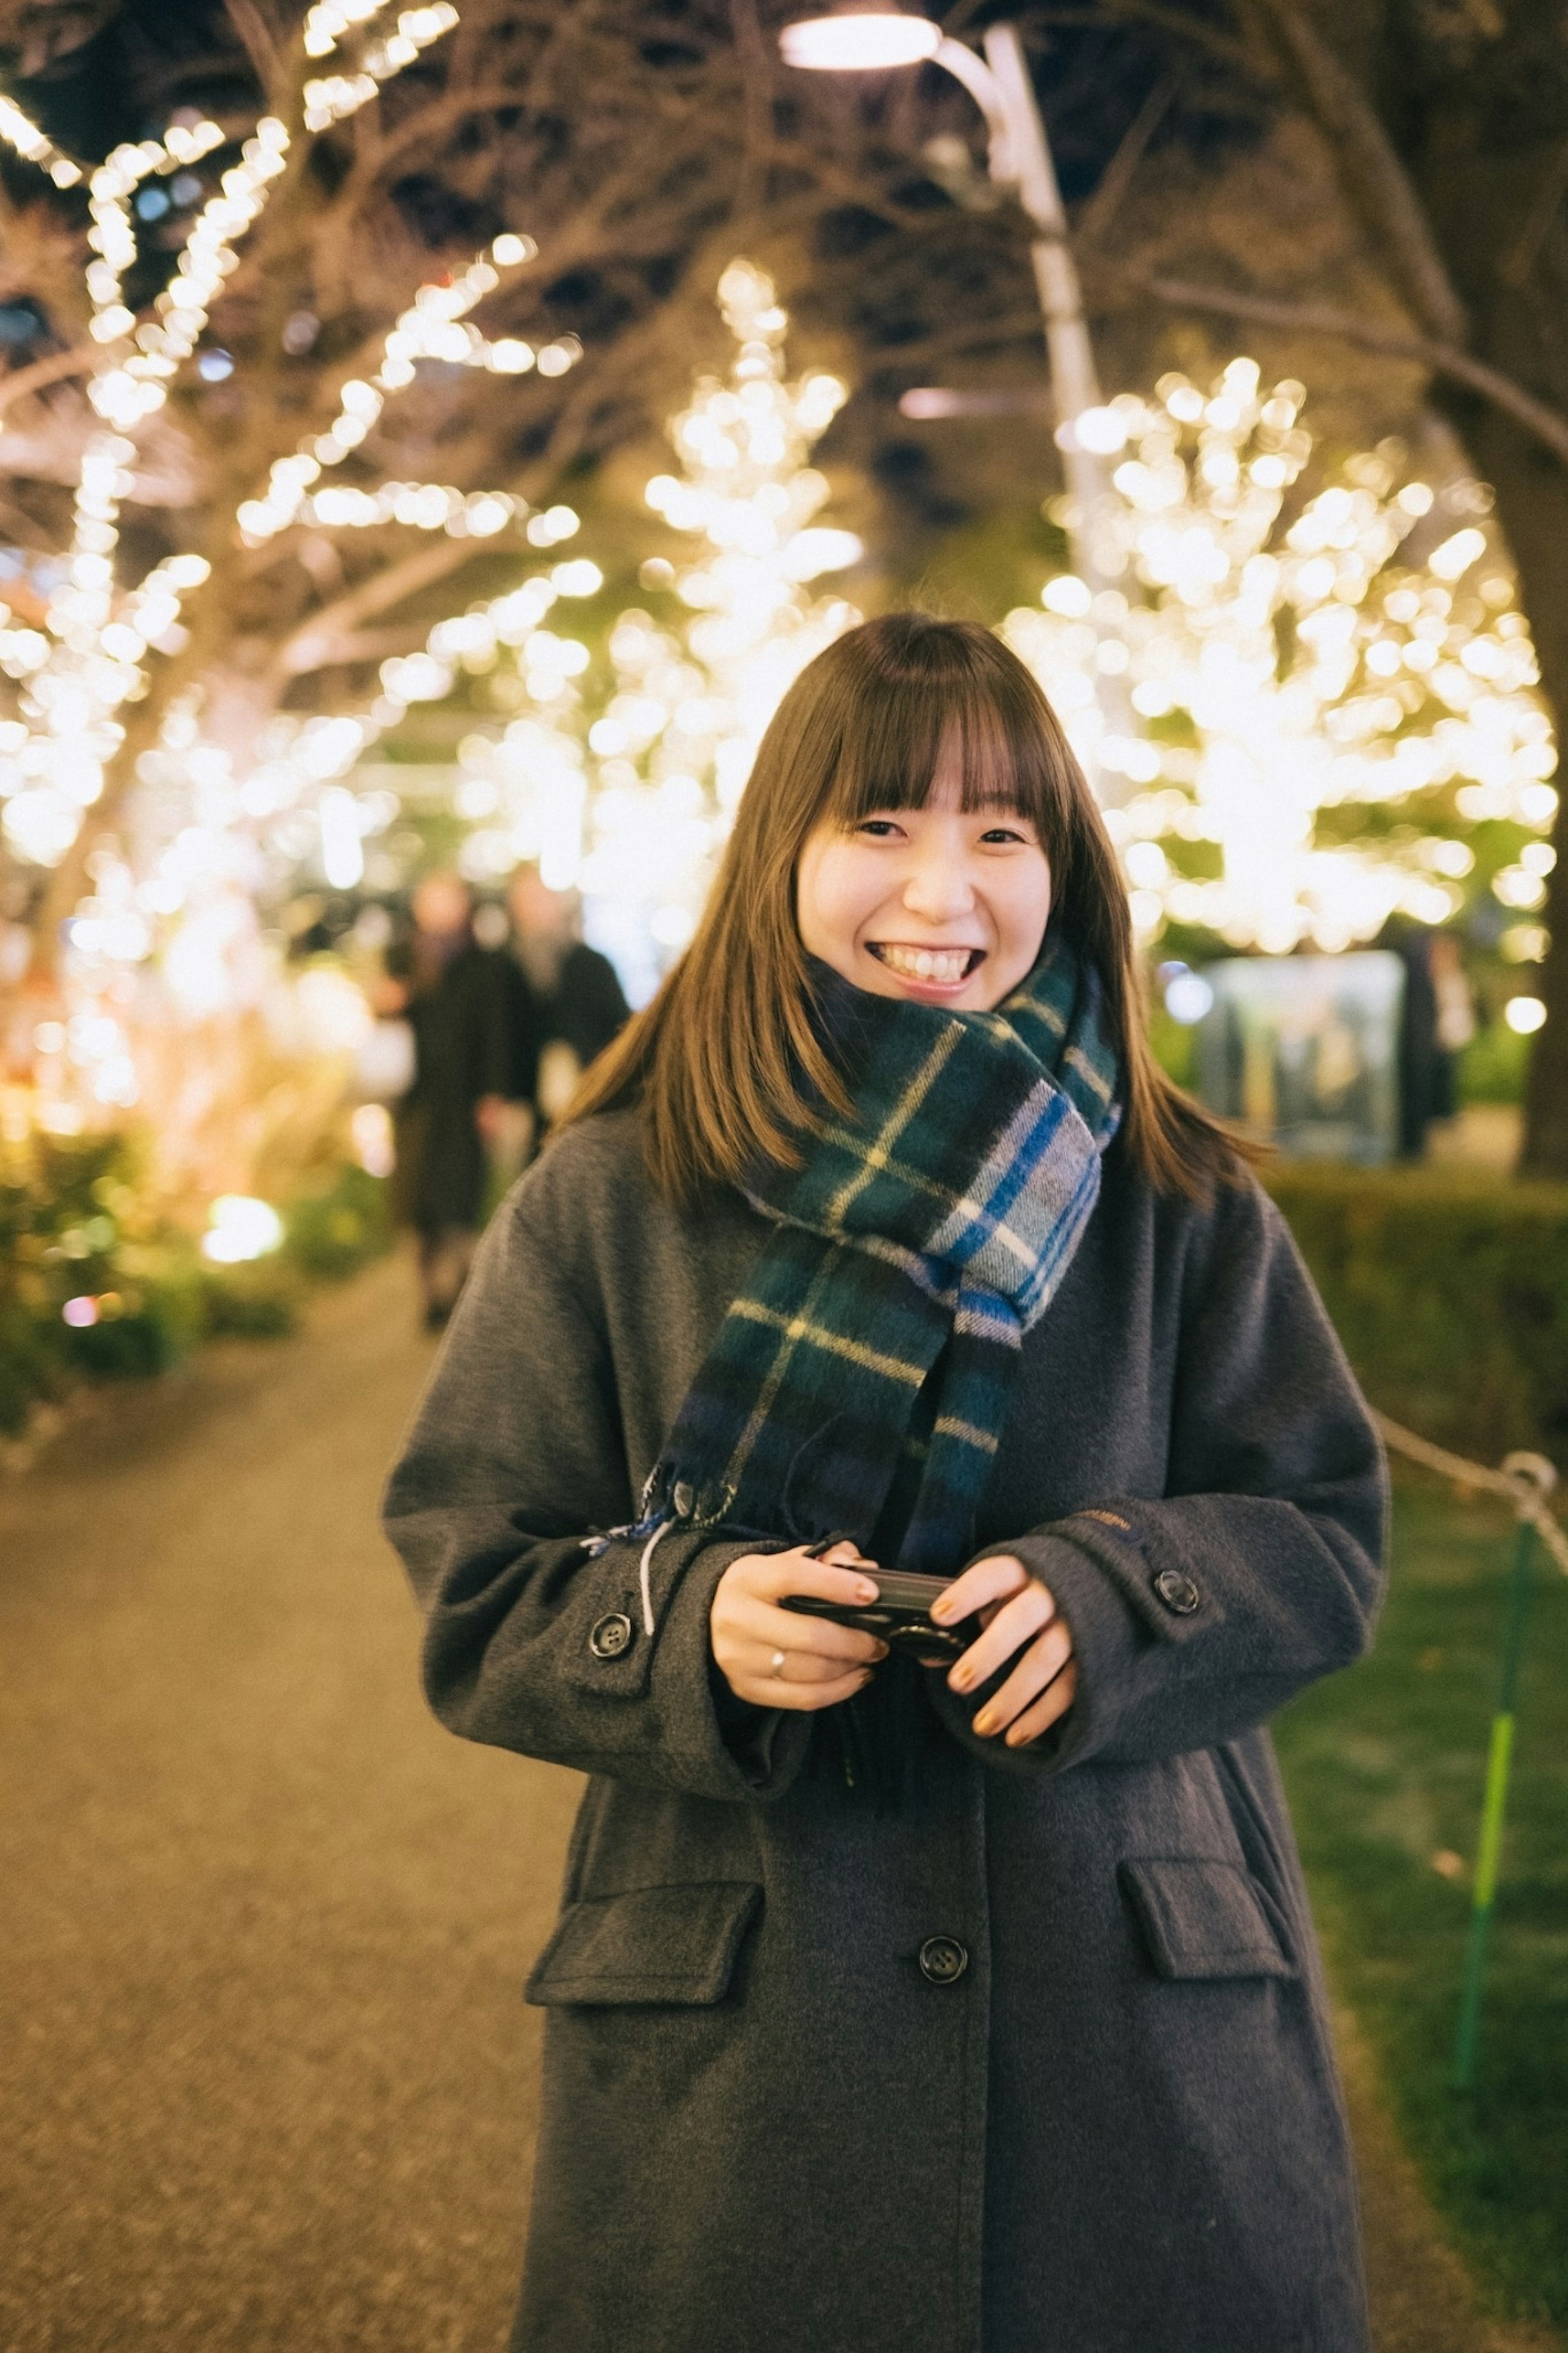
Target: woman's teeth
[945, 965]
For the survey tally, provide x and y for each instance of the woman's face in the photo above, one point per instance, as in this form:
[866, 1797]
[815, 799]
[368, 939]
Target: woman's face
[939, 905]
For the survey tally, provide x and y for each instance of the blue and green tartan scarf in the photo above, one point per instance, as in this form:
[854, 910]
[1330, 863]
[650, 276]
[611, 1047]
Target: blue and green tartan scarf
[858, 1384]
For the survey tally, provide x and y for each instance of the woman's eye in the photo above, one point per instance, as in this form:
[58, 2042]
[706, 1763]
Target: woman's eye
[1002, 833]
[881, 829]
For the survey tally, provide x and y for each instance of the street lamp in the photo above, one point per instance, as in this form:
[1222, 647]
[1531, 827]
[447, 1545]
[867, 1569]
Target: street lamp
[867, 40]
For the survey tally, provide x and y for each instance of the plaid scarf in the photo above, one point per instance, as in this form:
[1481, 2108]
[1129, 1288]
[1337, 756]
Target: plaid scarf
[859, 1385]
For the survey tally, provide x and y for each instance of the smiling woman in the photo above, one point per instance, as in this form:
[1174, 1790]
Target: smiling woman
[973, 2004]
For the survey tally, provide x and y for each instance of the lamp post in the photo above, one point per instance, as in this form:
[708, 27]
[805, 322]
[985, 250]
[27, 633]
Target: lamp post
[877, 40]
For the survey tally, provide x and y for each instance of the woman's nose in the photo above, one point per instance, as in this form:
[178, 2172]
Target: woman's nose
[938, 890]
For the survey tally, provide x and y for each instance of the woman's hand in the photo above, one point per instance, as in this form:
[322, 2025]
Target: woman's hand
[776, 1658]
[1019, 1617]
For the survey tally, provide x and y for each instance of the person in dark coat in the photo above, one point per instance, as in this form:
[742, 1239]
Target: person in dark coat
[974, 2008]
[1418, 1052]
[459, 1000]
[576, 1006]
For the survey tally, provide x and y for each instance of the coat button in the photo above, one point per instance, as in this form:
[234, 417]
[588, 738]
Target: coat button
[683, 1500]
[1178, 1592]
[612, 1634]
[942, 1960]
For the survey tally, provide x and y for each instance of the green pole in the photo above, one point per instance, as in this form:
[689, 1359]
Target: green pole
[1492, 1810]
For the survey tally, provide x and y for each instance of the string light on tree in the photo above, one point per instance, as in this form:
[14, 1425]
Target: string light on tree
[214, 826]
[748, 494]
[434, 327]
[126, 390]
[626, 785]
[84, 667]
[1284, 673]
[329, 20]
[523, 793]
[78, 671]
[222, 833]
[29, 142]
[335, 97]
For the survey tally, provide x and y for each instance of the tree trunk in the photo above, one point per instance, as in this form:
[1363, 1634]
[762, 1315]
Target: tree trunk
[1466, 217]
[1479, 201]
[1532, 508]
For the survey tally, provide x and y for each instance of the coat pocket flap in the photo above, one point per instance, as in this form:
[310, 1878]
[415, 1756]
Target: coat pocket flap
[650, 1944]
[1205, 1918]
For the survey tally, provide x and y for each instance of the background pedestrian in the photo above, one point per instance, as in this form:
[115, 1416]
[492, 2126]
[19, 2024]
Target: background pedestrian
[578, 1005]
[464, 1005]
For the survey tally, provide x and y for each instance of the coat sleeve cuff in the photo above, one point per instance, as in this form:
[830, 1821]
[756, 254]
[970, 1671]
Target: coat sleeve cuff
[725, 1748]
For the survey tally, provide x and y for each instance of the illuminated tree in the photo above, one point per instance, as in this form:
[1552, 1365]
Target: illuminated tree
[115, 683]
[626, 782]
[93, 653]
[1441, 129]
[1326, 707]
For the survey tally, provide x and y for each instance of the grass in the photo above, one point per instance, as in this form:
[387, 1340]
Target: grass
[1385, 1765]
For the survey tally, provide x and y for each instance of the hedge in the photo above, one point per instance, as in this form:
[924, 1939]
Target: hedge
[1450, 1290]
[75, 1220]
[1448, 1286]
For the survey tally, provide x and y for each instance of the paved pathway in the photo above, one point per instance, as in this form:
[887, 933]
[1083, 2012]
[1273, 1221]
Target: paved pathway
[266, 2081]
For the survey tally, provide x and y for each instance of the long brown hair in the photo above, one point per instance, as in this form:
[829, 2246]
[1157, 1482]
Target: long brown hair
[722, 1062]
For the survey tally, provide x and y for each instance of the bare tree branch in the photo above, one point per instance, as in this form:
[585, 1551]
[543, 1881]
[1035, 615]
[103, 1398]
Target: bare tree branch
[1196, 32]
[1374, 181]
[256, 40]
[848, 187]
[53, 369]
[374, 162]
[1518, 262]
[756, 96]
[1103, 205]
[310, 648]
[976, 334]
[1547, 425]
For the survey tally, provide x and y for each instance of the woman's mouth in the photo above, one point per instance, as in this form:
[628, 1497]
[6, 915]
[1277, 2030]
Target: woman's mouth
[935, 968]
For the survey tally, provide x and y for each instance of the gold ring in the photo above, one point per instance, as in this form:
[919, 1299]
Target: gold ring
[775, 1664]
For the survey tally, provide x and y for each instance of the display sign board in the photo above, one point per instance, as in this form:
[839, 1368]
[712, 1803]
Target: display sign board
[1304, 1051]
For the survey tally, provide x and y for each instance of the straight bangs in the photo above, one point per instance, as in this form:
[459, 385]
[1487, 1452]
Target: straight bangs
[909, 719]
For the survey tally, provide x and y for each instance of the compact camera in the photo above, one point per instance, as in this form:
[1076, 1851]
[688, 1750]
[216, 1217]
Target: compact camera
[899, 1616]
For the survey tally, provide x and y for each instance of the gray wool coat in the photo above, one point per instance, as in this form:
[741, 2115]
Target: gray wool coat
[1040, 2063]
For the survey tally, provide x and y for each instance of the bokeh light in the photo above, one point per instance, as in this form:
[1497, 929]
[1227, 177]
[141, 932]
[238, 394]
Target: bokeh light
[1277, 668]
